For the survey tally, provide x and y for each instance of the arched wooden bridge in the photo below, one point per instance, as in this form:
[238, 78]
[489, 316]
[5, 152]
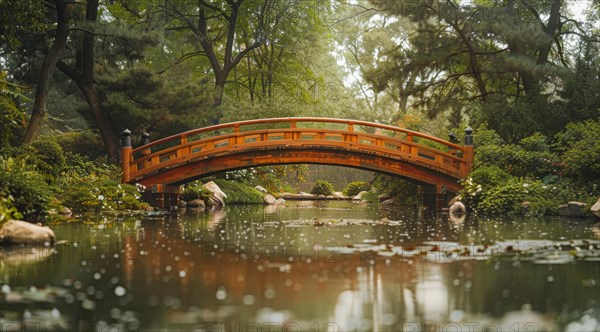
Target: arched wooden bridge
[387, 149]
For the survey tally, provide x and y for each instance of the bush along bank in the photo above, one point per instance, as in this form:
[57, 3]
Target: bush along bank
[199, 195]
[39, 181]
[536, 176]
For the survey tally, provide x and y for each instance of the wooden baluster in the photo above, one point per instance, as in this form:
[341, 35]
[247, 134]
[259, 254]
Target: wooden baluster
[233, 141]
[182, 151]
[293, 135]
[350, 138]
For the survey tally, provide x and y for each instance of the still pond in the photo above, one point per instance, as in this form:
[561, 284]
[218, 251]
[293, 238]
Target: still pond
[309, 266]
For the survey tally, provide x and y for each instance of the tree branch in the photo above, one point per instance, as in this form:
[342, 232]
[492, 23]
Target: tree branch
[70, 72]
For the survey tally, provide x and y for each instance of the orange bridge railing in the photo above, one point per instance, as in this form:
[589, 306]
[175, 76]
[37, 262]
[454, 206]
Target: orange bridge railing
[288, 133]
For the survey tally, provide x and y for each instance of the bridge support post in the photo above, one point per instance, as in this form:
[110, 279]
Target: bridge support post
[441, 197]
[163, 196]
[126, 156]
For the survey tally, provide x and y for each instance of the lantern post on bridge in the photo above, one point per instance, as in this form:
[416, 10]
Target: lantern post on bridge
[469, 149]
[126, 155]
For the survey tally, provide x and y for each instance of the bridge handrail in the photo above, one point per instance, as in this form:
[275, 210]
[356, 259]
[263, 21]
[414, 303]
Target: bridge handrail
[295, 120]
[232, 135]
[175, 151]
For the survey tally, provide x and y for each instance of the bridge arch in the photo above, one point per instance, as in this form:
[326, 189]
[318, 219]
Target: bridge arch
[371, 146]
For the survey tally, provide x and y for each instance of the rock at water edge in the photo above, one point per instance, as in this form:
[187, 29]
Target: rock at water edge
[359, 196]
[261, 189]
[595, 209]
[217, 197]
[17, 231]
[269, 199]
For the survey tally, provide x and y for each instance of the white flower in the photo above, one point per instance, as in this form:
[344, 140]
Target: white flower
[525, 185]
[100, 197]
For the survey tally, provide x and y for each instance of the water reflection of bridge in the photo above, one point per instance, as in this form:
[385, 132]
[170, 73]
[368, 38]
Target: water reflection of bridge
[209, 265]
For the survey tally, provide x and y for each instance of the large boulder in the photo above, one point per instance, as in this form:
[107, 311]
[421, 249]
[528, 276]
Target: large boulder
[261, 189]
[595, 209]
[217, 199]
[359, 196]
[269, 199]
[389, 204]
[338, 194]
[66, 212]
[573, 209]
[17, 231]
[280, 201]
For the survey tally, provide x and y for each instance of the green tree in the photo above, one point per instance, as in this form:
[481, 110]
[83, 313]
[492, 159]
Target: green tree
[83, 76]
[487, 59]
[38, 113]
[12, 118]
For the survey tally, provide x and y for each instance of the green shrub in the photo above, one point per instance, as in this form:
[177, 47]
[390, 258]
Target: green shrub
[354, 188]
[195, 190]
[530, 158]
[404, 192]
[484, 136]
[489, 176]
[31, 194]
[580, 152]
[497, 194]
[7, 209]
[371, 197]
[94, 186]
[94, 194]
[48, 157]
[503, 198]
[85, 143]
[239, 193]
[322, 187]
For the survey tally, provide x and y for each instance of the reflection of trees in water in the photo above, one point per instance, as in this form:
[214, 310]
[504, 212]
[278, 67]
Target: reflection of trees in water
[391, 296]
[350, 290]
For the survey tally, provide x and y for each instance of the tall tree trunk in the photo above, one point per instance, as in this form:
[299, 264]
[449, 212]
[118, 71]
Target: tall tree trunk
[229, 61]
[38, 113]
[111, 143]
[550, 29]
[218, 97]
[404, 92]
[85, 82]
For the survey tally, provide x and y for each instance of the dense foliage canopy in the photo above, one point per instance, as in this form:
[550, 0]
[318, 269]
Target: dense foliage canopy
[82, 71]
